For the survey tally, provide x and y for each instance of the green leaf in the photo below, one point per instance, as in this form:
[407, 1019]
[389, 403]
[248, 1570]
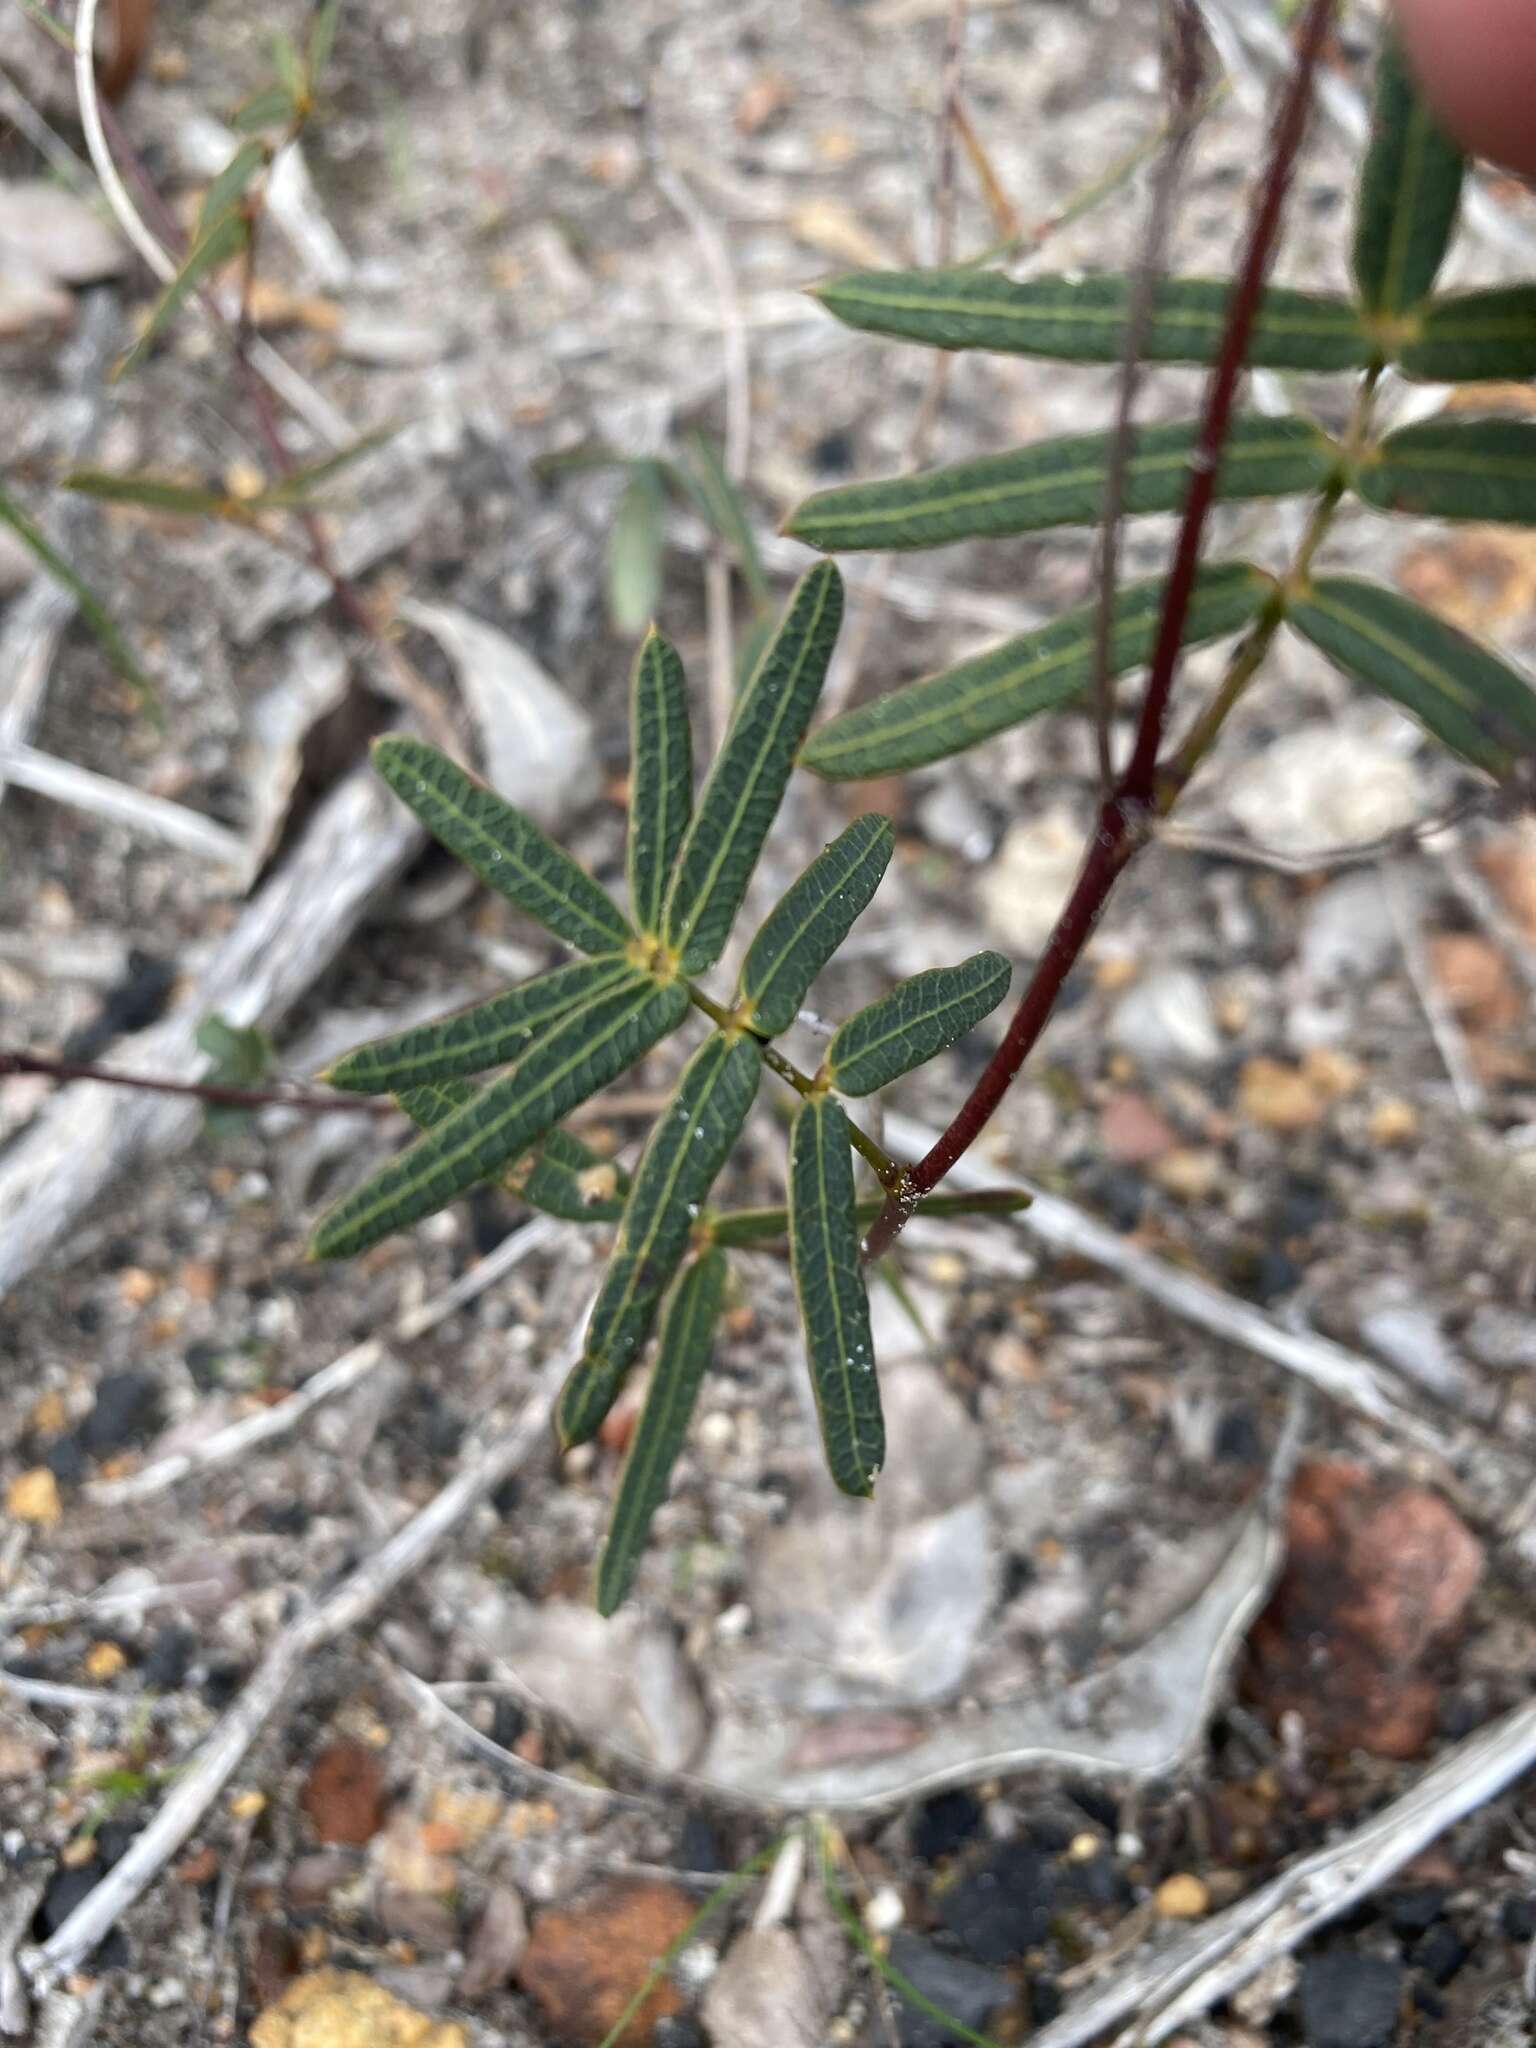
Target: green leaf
[634, 552]
[813, 918]
[914, 1022]
[158, 493]
[1082, 319]
[288, 64]
[745, 787]
[1410, 191]
[960, 707]
[723, 508]
[660, 776]
[689, 1143]
[1470, 699]
[687, 1335]
[302, 485]
[487, 1034]
[592, 1046]
[1061, 483]
[229, 187]
[503, 846]
[1455, 469]
[561, 1175]
[210, 252]
[1472, 337]
[92, 610]
[754, 643]
[834, 1308]
[272, 107]
[322, 39]
[752, 1229]
[239, 1056]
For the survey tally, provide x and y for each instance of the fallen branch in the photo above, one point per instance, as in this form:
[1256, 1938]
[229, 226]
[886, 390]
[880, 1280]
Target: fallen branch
[87, 1137]
[221, 1754]
[1164, 1992]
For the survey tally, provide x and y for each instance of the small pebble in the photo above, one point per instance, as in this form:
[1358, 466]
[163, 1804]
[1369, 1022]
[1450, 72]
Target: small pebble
[1183, 1897]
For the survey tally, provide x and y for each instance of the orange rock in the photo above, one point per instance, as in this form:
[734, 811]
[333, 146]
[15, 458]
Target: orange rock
[584, 1964]
[34, 1497]
[344, 1794]
[1510, 865]
[1278, 1097]
[1377, 1579]
[1393, 1122]
[1475, 980]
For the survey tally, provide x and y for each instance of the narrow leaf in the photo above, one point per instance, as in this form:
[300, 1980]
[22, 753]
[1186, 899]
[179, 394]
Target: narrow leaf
[503, 846]
[272, 107]
[687, 1334]
[660, 776]
[721, 504]
[689, 1143]
[1455, 469]
[92, 610]
[1061, 483]
[487, 1034]
[1082, 319]
[749, 1229]
[287, 63]
[960, 707]
[745, 787]
[834, 1308]
[158, 493]
[593, 1045]
[226, 238]
[229, 187]
[299, 487]
[1410, 191]
[1472, 337]
[914, 1022]
[1469, 698]
[812, 919]
[634, 552]
[322, 38]
[561, 1175]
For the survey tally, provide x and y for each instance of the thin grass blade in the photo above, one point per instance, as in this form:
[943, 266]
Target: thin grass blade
[209, 253]
[95, 614]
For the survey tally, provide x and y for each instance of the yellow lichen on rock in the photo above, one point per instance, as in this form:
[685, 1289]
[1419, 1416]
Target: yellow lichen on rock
[342, 2009]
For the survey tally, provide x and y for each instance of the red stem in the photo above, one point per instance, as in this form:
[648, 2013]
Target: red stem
[219, 1098]
[1123, 817]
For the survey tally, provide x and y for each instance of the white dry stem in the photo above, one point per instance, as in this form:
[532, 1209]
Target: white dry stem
[274, 370]
[339, 1377]
[1450, 1040]
[99, 796]
[1161, 1993]
[273, 1681]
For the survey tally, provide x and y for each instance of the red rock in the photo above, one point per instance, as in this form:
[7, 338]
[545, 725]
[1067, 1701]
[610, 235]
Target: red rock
[1132, 1132]
[583, 1964]
[1377, 1579]
[344, 1794]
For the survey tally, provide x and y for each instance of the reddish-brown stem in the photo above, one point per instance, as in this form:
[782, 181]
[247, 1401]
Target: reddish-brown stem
[1125, 816]
[216, 1097]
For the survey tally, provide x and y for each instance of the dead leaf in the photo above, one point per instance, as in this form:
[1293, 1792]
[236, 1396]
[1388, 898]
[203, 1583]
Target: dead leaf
[835, 230]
